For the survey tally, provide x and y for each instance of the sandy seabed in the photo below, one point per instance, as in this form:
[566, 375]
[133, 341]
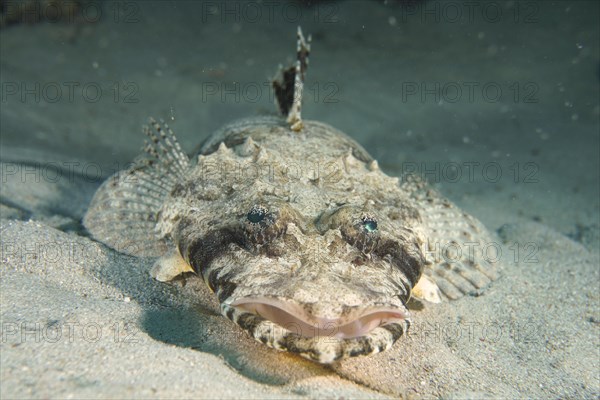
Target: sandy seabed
[82, 321]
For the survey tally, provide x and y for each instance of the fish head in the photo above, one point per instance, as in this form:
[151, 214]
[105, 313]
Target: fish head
[327, 286]
[319, 266]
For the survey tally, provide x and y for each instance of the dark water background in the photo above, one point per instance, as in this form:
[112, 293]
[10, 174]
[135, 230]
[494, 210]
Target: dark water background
[495, 102]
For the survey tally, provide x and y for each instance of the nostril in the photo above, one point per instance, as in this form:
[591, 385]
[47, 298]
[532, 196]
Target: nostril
[323, 222]
[321, 227]
[358, 261]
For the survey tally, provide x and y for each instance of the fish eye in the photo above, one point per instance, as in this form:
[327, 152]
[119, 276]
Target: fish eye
[263, 225]
[257, 214]
[369, 224]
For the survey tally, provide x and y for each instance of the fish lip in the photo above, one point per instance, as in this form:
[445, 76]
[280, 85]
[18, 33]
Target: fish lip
[292, 317]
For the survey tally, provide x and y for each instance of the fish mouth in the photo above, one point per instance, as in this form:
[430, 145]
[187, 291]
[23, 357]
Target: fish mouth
[296, 319]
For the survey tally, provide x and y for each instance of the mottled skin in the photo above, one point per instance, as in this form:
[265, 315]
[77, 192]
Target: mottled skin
[314, 251]
[307, 244]
[317, 193]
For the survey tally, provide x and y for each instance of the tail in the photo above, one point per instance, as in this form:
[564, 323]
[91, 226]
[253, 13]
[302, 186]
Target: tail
[124, 211]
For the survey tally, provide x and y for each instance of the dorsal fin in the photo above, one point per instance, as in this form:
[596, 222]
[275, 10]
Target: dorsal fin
[289, 86]
[461, 254]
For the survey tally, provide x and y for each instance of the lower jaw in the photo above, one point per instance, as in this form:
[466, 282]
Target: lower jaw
[327, 349]
[322, 348]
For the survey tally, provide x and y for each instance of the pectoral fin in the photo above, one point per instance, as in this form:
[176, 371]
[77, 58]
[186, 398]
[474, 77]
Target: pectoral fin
[124, 211]
[459, 249]
[427, 289]
[169, 266]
